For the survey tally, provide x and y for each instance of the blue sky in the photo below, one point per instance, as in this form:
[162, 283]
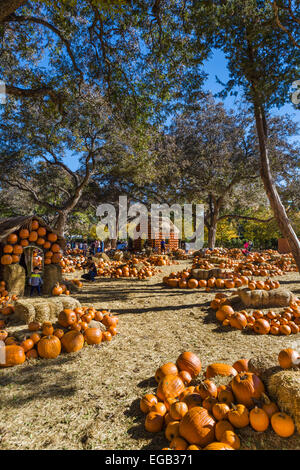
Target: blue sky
[217, 66]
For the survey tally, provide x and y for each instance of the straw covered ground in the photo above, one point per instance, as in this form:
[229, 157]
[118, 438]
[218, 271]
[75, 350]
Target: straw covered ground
[90, 400]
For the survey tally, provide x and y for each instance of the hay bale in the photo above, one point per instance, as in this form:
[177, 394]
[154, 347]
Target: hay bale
[104, 257]
[263, 298]
[39, 309]
[96, 324]
[52, 275]
[15, 278]
[118, 256]
[283, 386]
[69, 302]
[208, 273]
[24, 310]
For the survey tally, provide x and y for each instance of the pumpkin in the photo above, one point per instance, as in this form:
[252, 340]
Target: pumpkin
[8, 249]
[185, 376]
[282, 424]
[192, 400]
[178, 444]
[159, 407]
[288, 358]
[33, 236]
[189, 362]
[241, 365]
[192, 283]
[218, 446]
[154, 422]
[67, 317]
[57, 290]
[12, 238]
[178, 410]
[72, 341]
[268, 406]
[93, 335]
[106, 335]
[229, 437]
[259, 419]
[35, 337]
[225, 395]
[6, 259]
[245, 387]
[27, 344]
[147, 402]
[41, 231]
[285, 329]
[32, 354]
[34, 326]
[219, 369]
[24, 242]
[208, 403]
[14, 355]
[238, 416]
[47, 328]
[59, 333]
[207, 388]
[8, 310]
[193, 447]
[24, 233]
[170, 386]
[197, 427]
[172, 430]
[110, 320]
[220, 411]
[167, 369]
[52, 237]
[3, 335]
[238, 320]
[49, 347]
[221, 427]
[34, 225]
[261, 326]
[55, 248]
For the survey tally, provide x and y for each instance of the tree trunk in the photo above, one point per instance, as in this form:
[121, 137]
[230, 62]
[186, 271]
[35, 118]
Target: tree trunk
[213, 221]
[279, 211]
[7, 7]
[60, 223]
[212, 233]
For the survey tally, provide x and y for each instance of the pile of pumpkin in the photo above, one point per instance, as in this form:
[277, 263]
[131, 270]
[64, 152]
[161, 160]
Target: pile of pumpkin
[207, 416]
[70, 334]
[263, 323]
[184, 279]
[37, 234]
[6, 301]
[60, 289]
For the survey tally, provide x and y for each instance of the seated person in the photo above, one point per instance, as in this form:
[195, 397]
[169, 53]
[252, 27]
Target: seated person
[92, 270]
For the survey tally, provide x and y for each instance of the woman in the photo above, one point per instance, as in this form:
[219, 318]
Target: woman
[92, 270]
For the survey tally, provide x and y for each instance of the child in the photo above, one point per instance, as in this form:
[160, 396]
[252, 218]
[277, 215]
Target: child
[163, 247]
[35, 281]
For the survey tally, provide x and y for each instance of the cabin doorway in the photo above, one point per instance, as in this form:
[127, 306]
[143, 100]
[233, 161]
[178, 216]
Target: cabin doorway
[32, 257]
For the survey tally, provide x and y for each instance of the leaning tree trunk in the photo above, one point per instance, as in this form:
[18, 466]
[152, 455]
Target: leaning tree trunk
[7, 7]
[279, 211]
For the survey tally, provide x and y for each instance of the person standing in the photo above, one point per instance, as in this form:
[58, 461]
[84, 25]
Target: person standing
[35, 282]
[163, 246]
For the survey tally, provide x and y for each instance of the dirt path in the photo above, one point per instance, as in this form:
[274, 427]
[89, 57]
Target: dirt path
[90, 400]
